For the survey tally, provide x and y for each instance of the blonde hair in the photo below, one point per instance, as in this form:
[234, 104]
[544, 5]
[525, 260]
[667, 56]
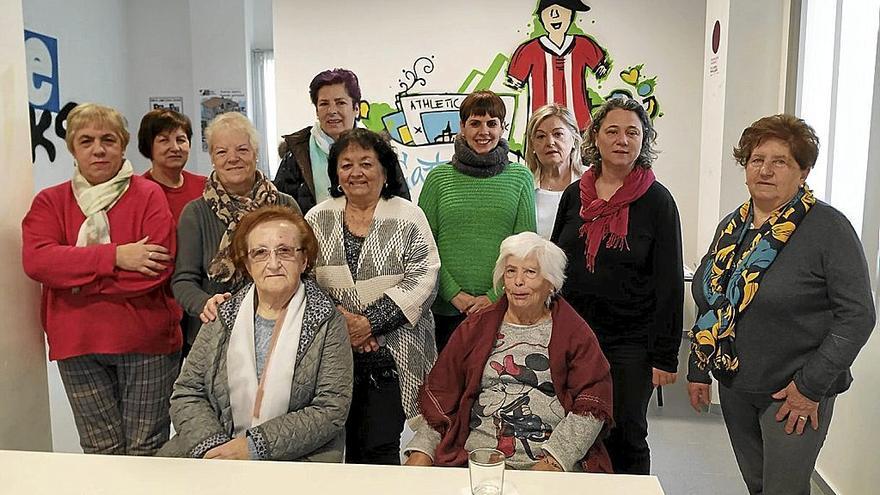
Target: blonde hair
[232, 121]
[551, 258]
[86, 114]
[567, 118]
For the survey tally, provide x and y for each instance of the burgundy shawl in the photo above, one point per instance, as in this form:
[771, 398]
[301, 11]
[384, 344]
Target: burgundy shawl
[579, 371]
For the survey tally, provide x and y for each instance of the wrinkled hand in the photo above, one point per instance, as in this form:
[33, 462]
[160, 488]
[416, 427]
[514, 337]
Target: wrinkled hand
[419, 459]
[372, 345]
[149, 259]
[209, 312]
[796, 405]
[462, 302]
[700, 394]
[359, 330]
[547, 463]
[662, 378]
[235, 449]
[480, 302]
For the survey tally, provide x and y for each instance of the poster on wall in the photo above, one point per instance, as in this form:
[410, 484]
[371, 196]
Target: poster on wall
[170, 102]
[215, 102]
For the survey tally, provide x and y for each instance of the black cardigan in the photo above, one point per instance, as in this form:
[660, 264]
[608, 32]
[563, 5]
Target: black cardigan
[634, 296]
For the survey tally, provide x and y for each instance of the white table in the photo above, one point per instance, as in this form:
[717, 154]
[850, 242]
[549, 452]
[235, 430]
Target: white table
[38, 473]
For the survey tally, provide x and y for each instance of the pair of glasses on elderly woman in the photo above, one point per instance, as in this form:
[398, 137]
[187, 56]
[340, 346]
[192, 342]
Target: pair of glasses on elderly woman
[282, 252]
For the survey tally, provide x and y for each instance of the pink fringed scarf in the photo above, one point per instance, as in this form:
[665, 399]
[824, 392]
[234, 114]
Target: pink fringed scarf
[609, 218]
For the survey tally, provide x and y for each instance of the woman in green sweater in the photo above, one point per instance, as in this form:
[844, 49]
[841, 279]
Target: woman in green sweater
[472, 204]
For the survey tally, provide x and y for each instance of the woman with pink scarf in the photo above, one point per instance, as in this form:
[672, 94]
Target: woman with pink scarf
[620, 229]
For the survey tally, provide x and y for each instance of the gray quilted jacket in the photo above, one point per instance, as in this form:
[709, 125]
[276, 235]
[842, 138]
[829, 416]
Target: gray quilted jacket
[314, 428]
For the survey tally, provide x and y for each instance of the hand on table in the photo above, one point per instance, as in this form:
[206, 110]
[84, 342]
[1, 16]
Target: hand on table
[547, 463]
[418, 459]
[235, 449]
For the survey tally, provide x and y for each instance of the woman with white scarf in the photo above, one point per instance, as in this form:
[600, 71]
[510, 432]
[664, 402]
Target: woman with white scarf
[270, 378]
[303, 174]
[101, 245]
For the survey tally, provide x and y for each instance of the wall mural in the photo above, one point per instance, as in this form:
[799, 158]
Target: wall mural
[43, 93]
[559, 63]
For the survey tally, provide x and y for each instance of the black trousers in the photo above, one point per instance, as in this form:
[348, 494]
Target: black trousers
[376, 417]
[443, 328]
[627, 442]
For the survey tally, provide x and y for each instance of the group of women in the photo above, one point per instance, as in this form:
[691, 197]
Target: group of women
[317, 337]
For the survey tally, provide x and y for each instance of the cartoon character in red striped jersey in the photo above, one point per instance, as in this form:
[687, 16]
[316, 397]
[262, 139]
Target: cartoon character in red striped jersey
[555, 64]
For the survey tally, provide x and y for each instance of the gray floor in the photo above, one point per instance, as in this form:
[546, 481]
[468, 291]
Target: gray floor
[690, 452]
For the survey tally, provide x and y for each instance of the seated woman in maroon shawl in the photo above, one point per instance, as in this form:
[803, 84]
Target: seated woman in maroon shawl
[525, 376]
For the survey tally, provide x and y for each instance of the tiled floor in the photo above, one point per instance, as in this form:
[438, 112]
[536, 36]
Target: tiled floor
[691, 452]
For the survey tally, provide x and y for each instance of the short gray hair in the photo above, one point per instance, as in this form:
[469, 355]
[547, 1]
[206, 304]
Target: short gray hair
[235, 121]
[551, 258]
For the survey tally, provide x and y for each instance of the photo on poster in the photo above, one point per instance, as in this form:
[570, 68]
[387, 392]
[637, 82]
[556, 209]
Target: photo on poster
[170, 102]
[215, 102]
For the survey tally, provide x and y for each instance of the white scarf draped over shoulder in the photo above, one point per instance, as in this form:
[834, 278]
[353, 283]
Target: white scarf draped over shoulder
[241, 367]
[95, 200]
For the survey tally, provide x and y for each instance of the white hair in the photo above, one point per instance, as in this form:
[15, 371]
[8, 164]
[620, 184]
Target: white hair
[551, 259]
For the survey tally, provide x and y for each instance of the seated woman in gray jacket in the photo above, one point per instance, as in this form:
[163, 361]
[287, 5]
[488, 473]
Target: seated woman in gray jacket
[271, 377]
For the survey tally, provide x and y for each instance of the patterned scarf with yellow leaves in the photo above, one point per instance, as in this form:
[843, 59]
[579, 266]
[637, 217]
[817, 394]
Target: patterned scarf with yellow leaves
[732, 279]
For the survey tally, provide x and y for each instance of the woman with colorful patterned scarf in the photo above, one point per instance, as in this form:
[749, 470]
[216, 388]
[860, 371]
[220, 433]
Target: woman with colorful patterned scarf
[783, 307]
[204, 275]
[620, 227]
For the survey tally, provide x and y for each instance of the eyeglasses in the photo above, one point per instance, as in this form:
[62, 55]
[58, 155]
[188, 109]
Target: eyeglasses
[774, 164]
[285, 253]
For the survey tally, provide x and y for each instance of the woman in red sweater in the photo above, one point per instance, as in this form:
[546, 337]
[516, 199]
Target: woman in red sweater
[102, 245]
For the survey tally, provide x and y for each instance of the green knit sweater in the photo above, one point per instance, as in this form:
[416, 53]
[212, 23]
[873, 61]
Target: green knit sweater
[469, 218]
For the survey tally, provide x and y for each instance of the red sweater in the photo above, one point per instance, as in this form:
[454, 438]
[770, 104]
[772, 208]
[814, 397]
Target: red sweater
[178, 197]
[89, 306]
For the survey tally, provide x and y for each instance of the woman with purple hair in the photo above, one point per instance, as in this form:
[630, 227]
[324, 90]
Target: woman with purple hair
[336, 95]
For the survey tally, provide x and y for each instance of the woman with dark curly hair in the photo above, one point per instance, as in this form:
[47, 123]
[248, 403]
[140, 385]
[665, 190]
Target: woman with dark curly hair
[620, 228]
[378, 261]
[784, 305]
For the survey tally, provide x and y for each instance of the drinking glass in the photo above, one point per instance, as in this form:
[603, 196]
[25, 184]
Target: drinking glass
[486, 467]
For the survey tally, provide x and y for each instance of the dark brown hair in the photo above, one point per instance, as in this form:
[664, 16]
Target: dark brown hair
[590, 151]
[156, 122]
[797, 134]
[268, 214]
[483, 102]
[367, 140]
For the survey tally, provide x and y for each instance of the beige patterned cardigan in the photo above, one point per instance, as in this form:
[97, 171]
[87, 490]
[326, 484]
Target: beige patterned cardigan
[399, 259]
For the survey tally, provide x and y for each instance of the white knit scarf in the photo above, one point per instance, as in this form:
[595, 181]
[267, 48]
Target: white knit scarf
[241, 365]
[94, 201]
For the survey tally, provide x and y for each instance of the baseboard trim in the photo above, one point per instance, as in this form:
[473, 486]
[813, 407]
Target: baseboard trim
[822, 484]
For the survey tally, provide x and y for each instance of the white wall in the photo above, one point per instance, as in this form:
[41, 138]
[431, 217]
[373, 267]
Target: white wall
[24, 407]
[160, 62]
[384, 37]
[848, 460]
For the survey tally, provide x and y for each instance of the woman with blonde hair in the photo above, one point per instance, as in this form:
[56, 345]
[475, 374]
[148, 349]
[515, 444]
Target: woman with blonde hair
[102, 246]
[553, 154]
